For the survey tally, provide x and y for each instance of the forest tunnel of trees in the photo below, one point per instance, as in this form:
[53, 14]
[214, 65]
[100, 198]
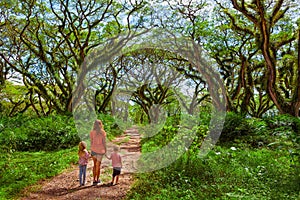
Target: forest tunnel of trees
[253, 45]
[187, 75]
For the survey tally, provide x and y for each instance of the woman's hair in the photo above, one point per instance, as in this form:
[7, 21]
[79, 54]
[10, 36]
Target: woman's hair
[98, 126]
[81, 147]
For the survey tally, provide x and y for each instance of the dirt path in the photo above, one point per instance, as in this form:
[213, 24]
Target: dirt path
[66, 185]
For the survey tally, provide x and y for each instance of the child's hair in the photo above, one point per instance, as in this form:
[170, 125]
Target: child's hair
[116, 148]
[81, 147]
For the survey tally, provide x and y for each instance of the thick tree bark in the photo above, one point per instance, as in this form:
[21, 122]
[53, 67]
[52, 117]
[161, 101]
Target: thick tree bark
[265, 23]
[297, 92]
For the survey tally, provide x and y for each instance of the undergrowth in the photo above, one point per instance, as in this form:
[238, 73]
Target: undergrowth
[224, 174]
[22, 169]
[254, 159]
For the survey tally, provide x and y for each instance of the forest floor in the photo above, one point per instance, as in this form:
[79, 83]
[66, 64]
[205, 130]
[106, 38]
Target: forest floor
[66, 185]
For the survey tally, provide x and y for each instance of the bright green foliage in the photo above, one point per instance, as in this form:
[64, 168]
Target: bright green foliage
[33, 134]
[50, 133]
[22, 169]
[13, 93]
[235, 126]
[163, 137]
[260, 162]
[223, 174]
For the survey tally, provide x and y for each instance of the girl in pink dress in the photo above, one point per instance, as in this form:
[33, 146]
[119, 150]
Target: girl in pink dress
[83, 161]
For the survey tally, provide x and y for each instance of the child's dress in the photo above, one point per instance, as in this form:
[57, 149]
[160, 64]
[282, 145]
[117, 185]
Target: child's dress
[83, 161]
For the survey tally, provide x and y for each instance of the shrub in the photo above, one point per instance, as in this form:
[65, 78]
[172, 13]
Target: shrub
[23, 133]
[235, 126]
[286, 130]
[34, 134]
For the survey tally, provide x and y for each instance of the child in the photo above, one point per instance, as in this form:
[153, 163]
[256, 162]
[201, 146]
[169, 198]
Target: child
[117, 165]
[83, 161]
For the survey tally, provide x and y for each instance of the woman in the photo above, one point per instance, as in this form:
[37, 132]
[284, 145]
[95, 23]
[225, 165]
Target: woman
[98, 148]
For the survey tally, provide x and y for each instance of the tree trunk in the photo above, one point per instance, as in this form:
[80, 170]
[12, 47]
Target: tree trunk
[296, 98]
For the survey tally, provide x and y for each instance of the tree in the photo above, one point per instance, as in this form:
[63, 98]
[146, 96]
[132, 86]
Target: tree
[49, 41]
[240, 64]
[190, 19]
[275, 37]
[149, 81]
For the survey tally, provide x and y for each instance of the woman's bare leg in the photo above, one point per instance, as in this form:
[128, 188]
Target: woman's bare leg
[94, 169]
[98, 164]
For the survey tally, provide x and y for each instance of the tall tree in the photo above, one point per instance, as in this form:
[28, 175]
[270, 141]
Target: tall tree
[275, 36]
[50, 40]
[240, 65]
[150, 80]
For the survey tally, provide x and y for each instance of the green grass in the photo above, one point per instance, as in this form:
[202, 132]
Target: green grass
[21, 169]
[247, 171]
[223, 174]
[34, 149]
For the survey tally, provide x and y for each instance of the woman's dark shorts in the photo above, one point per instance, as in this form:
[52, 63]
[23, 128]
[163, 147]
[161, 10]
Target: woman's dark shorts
[98, 156]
